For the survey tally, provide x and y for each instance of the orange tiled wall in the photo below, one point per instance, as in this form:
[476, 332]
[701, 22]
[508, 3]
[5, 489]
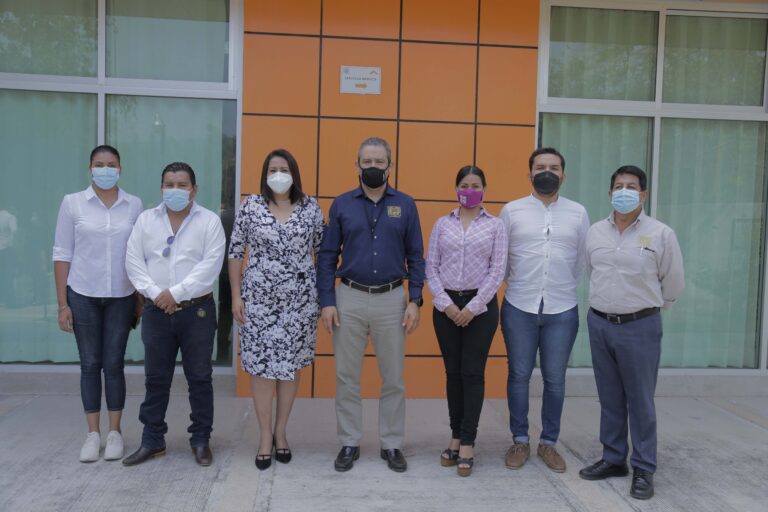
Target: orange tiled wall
[458, 86]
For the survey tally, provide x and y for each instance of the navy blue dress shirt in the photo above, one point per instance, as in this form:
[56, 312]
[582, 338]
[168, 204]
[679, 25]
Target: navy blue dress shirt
[378, 243]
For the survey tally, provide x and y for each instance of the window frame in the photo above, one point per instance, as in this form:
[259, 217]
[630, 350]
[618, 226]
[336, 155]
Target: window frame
[657, 110]
[103, 86]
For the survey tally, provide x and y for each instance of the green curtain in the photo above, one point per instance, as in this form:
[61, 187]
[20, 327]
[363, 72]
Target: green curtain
[594, 147]
[152, 132]
[45, 138]
[712, 187]
[718, 61]
[51, 37]
[168, 40]
[602, 53]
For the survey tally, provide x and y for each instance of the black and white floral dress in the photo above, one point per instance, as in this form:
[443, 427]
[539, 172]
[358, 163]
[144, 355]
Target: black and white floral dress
[278, 286]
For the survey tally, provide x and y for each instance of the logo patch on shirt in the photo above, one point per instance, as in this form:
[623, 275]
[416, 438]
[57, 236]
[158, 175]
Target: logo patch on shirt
[394, 211]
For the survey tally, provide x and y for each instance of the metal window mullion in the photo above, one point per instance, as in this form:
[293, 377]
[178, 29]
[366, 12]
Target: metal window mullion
[655, 159]
[101, 119]
[101, 41]
[237, 27]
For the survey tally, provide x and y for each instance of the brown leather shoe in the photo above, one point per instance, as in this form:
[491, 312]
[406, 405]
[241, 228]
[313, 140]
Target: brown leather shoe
[203, 455]
[517, 455]
[551, 458]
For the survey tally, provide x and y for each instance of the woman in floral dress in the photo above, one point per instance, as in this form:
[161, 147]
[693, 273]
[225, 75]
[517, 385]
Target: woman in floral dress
[274, 297]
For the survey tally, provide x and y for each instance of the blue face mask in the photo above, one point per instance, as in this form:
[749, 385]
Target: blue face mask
[175, 199]
[625, 200]
[105, 177]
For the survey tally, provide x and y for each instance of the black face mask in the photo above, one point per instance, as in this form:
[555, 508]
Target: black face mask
[372, 177]
[546, 183]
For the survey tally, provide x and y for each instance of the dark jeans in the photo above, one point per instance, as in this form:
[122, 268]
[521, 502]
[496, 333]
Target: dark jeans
[465, 352]
[552, 336]
[625, 359]
[191, 330]
[101, 326]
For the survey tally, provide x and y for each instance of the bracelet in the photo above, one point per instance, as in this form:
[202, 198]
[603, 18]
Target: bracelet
[62, 308]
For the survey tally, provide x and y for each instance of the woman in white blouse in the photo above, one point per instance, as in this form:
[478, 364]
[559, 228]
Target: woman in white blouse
[96, 300]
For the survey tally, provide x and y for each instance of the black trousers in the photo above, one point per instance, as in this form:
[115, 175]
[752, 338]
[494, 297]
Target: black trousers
[465, 352]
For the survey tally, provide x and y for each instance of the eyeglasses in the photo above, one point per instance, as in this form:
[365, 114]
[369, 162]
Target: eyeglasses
[169, 241]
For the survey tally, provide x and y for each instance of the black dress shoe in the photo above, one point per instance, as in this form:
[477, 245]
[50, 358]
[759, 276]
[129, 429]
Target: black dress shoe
[143, 455]
[346, 458]
[203, 455]
[395, 459]
[601, 470]
[282, 455]
[263, 461]
[642, 484]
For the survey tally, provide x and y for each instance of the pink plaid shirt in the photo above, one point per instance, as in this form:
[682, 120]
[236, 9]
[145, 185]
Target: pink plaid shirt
[466, 260]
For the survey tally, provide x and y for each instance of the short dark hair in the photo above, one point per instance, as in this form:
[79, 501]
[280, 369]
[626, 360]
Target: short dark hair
[295, 194]
[179, 167]
[104, 148]
[634, 171]
[545, 151]
[467, 170]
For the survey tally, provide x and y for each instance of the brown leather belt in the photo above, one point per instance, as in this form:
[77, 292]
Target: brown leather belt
[188, 303]
[629, 317]
[382, 288]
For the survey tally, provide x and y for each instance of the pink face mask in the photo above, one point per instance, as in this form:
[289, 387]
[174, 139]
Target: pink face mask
[469, 197]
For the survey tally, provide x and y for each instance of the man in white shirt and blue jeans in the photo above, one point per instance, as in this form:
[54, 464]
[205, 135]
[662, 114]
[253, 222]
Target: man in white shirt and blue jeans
[547, 234]
[175, 254]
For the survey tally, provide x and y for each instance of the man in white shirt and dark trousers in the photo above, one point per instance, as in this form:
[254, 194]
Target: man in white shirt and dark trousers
[546, 234]
[635, 268]
[175, 254]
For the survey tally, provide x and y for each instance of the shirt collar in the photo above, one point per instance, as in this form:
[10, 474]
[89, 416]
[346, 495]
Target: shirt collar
[389, 191]
[455, 212]
[161, 209]
[90, 194]
[637, 220]
[540, 202]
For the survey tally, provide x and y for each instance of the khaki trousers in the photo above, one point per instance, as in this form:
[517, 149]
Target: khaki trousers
[379, 316]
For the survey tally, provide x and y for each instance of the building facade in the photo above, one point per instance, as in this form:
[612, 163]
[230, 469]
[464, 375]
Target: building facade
[675, 87]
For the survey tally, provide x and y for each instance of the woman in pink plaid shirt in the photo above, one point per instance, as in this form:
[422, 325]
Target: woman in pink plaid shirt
[466, 261]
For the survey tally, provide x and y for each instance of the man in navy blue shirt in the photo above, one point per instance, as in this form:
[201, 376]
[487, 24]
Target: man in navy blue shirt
[376, 231]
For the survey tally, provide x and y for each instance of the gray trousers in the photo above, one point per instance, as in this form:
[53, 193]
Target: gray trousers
[379, 316]
[625, 359]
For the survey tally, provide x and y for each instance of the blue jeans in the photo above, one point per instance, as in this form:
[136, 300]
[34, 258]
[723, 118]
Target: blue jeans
[192, 330]
[552, 336]
[101, 326]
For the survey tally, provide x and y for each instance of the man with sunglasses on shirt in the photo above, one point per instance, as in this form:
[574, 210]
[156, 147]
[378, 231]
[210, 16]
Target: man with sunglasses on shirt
[175, 254]
[636, 269]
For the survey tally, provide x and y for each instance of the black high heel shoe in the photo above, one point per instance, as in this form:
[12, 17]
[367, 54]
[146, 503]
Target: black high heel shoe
[263, 461]
[282, 455]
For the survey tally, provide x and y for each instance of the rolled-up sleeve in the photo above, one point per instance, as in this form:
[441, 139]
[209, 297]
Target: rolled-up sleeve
[64, 239]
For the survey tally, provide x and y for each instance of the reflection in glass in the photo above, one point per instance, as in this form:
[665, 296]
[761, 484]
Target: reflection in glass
[603, 54]
[715, 61]
[712, 191]
[594, 147]
[168, 40]
[45, 155]
[152, 132]
[49, 37]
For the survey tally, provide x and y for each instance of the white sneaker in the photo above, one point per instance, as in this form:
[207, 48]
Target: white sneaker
[90, 450]
[114, 449]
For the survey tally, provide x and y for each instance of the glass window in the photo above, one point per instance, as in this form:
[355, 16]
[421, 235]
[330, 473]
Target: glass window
[152, 132]
[712, 187]
[593, 147]
[50, 37]
[602, 53]
[45, 155]
[168, 40]
[718, 61]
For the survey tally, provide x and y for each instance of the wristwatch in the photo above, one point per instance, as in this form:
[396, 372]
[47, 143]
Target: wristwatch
[419, 302]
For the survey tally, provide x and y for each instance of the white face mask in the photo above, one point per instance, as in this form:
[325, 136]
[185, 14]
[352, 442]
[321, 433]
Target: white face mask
[280, 182]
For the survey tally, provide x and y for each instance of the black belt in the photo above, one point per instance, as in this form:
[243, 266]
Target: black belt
[629, 317]
[188, 303]
[382, 288]
[462, 293]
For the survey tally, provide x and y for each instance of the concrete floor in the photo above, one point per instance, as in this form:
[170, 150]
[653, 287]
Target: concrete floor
[712, 457]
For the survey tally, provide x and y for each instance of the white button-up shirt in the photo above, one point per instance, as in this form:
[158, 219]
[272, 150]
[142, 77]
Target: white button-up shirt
[546, 253]
[634, 270]
[193, 262]
[92, 239]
